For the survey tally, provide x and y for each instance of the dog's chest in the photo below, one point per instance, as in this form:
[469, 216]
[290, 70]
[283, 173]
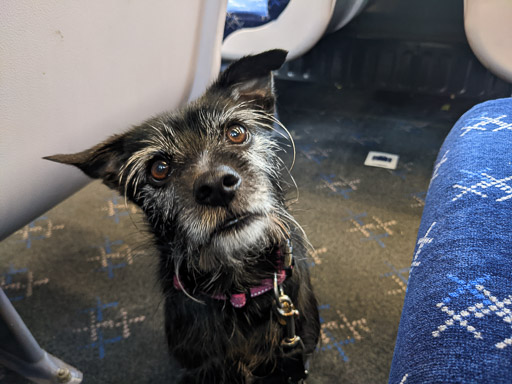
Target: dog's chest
[218, 328]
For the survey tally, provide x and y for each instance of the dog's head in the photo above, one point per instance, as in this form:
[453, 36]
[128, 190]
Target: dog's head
[207, 176]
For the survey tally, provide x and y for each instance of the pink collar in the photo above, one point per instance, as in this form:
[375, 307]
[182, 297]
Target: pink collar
[238, 300]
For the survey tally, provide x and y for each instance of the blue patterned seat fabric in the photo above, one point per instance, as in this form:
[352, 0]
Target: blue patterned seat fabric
[456, 324]
[251, 13]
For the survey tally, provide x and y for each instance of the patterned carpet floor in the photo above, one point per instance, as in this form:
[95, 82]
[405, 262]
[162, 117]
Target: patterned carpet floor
[82, 276]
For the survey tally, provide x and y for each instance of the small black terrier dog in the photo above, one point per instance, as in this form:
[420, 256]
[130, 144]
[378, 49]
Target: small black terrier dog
[239, 307]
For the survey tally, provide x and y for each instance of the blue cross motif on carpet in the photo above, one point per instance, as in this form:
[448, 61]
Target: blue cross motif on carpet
[15, 281]
[399, 276]
[7, 280]
[116, 209]
[107, 255]
[337, 331]
[39, 229]
[419, 198]
[105, 325]
[338, 185]
[317, 155]
[368, 229]
[99, 340]
[377, 238]
[355, 217]
[315, 255]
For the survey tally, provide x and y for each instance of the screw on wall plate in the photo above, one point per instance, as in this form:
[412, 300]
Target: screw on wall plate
[63, 375]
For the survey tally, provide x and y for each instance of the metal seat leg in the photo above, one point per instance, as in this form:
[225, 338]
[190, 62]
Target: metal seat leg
[20, 352]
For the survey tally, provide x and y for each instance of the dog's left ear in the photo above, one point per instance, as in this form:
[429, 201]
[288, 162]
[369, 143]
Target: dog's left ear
[250, 78]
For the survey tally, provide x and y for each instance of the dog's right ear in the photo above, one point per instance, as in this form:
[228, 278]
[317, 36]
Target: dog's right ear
[103, 161]
[250, 78]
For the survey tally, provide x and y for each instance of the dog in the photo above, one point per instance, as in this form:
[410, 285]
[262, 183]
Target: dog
[239, 306]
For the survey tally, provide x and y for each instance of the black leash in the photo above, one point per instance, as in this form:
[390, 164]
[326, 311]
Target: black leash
[295, 360]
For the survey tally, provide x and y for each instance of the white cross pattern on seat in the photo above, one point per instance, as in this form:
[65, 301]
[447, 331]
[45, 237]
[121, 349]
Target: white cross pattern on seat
[489, 305]
[481, 187]
[484, 121]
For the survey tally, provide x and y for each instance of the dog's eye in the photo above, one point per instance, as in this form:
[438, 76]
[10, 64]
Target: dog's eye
[237, 134]
[160, 170]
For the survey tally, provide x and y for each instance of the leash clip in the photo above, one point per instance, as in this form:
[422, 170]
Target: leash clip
[296, 366]
[287, 313]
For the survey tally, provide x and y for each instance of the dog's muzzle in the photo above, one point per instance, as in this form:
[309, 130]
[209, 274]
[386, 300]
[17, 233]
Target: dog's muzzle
[217, 187]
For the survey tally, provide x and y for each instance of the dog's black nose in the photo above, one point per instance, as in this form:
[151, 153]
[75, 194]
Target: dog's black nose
[217, 187]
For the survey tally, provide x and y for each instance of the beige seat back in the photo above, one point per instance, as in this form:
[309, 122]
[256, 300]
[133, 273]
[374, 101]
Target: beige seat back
[488, 26]
[74, 72]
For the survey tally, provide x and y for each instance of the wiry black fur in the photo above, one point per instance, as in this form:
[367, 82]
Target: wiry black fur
[213, 341]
